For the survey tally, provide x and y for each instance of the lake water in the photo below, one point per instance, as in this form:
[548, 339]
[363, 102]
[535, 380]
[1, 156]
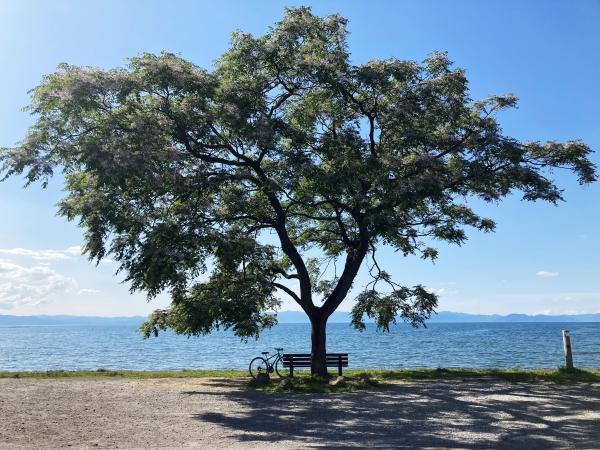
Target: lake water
[473, 345]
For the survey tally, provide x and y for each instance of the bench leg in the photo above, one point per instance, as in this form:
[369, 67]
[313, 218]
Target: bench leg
[291, 370]
[340, 366]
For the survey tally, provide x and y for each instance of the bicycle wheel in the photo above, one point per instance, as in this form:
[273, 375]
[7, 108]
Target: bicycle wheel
[279, 369]
[258, 365]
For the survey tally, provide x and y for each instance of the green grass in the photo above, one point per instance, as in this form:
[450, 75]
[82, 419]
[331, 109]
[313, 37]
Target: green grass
[184, 373]
[559, 375]
[306, 383]
[355, 378]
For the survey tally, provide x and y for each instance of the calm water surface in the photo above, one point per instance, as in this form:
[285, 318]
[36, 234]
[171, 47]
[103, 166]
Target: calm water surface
[475, 345]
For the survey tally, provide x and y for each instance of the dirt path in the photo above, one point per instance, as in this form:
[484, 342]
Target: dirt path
[193, 413]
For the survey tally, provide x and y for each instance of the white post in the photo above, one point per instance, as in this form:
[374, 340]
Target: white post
[567, 349]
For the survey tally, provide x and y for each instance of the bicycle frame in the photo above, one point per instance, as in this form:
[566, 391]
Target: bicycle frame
[271, 362]
[267, 358]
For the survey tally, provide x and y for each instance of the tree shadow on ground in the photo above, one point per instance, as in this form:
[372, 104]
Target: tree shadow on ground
[440, 414]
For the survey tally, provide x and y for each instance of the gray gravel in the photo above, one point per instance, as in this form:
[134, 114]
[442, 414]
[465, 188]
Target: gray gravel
[193, 413]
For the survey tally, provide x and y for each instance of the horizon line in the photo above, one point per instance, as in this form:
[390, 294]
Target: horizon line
[302, 312]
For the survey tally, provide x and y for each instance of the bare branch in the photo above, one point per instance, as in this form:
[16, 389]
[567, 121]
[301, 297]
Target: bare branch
[289, 292]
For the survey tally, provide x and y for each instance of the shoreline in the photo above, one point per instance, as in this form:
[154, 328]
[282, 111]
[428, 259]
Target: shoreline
[559, 375]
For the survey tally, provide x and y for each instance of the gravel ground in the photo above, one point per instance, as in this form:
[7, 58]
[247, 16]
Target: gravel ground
[216, 413]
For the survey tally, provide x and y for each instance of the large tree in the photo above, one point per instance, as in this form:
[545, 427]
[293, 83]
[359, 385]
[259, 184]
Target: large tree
[280, 172]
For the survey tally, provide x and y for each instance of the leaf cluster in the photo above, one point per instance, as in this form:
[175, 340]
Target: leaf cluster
[183, 175]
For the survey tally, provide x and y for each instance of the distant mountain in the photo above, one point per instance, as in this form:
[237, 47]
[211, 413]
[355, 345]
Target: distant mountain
[283, 317]
[69, 320]
[298, 317]
[453, 317]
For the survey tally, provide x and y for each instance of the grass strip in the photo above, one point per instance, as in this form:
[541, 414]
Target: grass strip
[559, 375]
[184, 373]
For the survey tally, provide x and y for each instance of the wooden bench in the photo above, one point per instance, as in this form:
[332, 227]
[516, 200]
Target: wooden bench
[294, 360]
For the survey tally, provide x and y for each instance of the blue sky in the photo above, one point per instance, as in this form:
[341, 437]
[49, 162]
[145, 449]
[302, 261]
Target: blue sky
[541, 259]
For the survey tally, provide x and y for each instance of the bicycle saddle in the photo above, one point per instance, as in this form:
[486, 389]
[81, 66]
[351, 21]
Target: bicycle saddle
[264, 353]
[278, 349]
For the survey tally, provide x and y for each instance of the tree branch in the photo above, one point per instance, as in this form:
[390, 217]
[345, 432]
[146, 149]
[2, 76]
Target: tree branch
[288, 291]
[354, 259]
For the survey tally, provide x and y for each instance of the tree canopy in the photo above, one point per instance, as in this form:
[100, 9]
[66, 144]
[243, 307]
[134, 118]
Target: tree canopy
[279, 172]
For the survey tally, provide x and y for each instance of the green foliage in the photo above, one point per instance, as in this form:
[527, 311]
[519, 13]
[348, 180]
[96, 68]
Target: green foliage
[412, 305]
[183, 175]
[236, 296]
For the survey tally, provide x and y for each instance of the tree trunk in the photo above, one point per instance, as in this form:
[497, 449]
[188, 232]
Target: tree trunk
[318, 365]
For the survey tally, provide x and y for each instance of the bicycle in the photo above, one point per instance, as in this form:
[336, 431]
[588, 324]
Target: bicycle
[267, 364]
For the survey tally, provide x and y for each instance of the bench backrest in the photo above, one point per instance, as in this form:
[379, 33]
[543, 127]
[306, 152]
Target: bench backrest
[303, 359]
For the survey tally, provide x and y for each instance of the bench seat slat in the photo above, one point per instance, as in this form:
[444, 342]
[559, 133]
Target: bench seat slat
[308, 359]
[300, 360]
[328, 361]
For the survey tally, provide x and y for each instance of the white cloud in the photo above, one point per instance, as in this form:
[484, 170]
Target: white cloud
[88, 291]
[43, 255]
[438, 292]
[30, 285]
[545, 274]
[108, 261]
